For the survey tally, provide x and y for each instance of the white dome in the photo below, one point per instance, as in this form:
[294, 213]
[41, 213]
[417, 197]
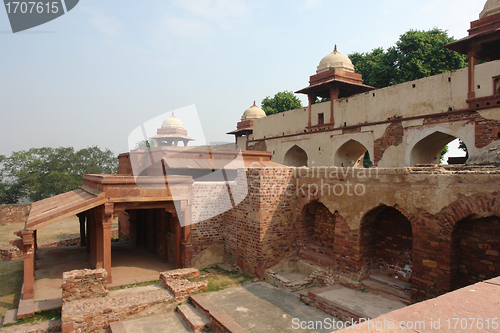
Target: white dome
[172, 122]
[253, 112]
[490, 8]
[335, 60]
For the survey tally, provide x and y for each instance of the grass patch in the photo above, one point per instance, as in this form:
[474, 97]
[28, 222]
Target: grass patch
[39, 316]
[11, 277]
[138, 284]
[223, 279]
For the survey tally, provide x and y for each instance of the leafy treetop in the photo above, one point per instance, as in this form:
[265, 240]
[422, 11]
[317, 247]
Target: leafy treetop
[282, 101]
[417, 54]
[39, 173]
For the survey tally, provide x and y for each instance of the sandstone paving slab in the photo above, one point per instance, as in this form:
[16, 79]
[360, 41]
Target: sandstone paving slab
[479, 301]
[367, 304]
[165, 323]
[261, 307]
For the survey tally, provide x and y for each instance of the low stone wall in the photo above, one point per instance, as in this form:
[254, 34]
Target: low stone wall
[84, 283]
[14, 213]
[13, 253]
[88, 310]
[176, 281]
[95, 314]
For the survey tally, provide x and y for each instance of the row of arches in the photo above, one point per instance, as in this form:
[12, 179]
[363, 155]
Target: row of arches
[387, 242]
[354, 154]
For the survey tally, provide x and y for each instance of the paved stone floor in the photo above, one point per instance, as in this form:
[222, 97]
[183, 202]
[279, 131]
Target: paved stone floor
[261, 307]
[129, 266]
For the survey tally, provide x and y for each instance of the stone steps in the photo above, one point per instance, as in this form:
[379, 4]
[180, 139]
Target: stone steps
[317, 258]
[10, 317]
[391, 282]
[348, 304]
[321, 250]
[388, 291]
[194, 318]
[221, 321]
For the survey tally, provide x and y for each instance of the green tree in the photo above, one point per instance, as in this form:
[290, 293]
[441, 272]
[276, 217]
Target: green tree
[443, 152]
[40, 173]
[417, 54]
[282, 101]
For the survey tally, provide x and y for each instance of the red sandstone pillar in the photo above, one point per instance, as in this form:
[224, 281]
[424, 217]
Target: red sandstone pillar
[334, 95]
[81, 219]
[473, 61]
[107, 222]
[186, 235]
[311, 99]
[99, 237]
[29, 264]
[178, 240]
[93, 236]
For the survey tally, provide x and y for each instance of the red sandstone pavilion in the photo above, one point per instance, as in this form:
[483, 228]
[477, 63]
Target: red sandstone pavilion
[419, 230]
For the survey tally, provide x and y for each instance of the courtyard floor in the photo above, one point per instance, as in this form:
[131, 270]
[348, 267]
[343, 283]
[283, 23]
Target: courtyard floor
[128, 265]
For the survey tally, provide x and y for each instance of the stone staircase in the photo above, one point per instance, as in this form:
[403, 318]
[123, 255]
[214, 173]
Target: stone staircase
[319, 255]
[389, 287]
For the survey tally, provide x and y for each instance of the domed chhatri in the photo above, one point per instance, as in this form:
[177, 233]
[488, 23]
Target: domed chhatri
[253, 112]
[171, 133]
[490, 8]
[335, 60]
[172, 122]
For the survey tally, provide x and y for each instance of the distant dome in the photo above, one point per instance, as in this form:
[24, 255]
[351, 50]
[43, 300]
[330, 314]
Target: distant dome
[489, 155]
[491, 7]
[173, 122]
[335, 60]
[253, 112]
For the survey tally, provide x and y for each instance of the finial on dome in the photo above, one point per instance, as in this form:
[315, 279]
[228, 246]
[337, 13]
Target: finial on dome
[254, 104]
[335, 49]
[172, 113]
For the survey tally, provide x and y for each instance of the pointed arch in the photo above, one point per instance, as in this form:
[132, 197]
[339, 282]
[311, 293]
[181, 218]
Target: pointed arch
[350, 154]
[295, 157]
[427, 149]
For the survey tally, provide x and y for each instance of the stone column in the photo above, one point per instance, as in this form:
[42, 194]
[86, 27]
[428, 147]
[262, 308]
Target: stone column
[186, 236]
[29, 264]
[178, 241]
[93, 233]
[106, 228]
[473, 61]
[334, 95]
[83, 239]
[312, 100]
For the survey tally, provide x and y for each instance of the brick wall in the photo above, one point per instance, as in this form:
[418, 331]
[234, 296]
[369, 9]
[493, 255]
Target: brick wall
[260, 231]
[478, 250]
[85, 283]
[393, 136]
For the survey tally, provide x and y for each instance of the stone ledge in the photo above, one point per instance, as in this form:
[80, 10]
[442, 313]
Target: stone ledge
[95, 315]
[181, 288]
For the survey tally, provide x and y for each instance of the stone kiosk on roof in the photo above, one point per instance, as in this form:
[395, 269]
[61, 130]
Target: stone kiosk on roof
[335, 78]
[171, 133]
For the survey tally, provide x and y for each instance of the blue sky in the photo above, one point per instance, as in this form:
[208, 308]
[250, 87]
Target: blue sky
[93, 75]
